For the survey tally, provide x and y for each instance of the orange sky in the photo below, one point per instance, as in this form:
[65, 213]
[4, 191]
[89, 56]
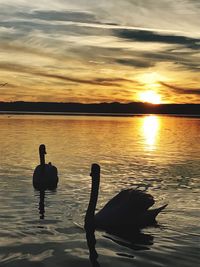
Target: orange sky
[100, 51]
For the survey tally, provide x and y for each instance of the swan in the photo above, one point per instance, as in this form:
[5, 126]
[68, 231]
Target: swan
[45, 176]
[129, 209]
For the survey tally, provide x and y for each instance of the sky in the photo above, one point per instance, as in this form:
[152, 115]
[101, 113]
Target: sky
[92, 51]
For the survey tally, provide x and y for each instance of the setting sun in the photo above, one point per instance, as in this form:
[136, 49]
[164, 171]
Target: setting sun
[150, 97]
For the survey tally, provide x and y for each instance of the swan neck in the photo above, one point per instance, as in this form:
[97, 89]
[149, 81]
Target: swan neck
[93, 197]
[90, 218]
[42, 158]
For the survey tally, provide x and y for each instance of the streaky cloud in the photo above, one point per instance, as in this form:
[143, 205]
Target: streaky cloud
[96, 81]
[67, 15]
[181, 90]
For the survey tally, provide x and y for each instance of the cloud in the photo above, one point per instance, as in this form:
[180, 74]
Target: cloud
[182, 90]
[89, 39]
[188, 60]
[3, 84]
[67, 15]
[96, 81]
[139, 63]
[150, 36]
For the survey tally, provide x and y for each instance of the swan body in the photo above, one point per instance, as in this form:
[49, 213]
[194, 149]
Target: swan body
[45, 176]
[129, 209]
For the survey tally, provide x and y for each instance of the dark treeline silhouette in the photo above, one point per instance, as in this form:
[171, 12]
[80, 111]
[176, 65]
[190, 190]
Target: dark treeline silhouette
[101, 108]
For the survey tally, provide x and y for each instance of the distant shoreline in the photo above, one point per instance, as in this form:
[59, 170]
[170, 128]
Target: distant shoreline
[94, 114]
[99, 109]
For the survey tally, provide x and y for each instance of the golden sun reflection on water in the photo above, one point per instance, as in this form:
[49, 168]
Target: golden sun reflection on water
[150, 129]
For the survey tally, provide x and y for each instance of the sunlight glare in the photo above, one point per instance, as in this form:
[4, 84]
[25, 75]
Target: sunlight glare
[150, 97]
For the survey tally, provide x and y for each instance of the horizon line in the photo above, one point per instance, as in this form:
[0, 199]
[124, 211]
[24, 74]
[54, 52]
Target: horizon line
[99, 103]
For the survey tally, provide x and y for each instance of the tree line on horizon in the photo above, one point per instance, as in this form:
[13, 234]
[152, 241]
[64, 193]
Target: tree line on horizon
[110, 108]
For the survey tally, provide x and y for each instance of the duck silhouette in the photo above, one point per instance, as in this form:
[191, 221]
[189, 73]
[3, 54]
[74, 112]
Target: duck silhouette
[129, 209]
[45, 176]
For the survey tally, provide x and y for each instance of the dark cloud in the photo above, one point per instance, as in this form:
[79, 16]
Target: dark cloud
[150, 36]
[3, 84]
[135, 63]
[182, 90]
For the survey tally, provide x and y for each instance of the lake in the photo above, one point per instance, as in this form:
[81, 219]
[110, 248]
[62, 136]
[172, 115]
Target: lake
[161, 153]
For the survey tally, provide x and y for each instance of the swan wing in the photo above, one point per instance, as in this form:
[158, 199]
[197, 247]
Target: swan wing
[140, 200]
[135, 200]
[124, 209]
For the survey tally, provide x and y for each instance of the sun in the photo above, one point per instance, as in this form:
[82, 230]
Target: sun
[150, 97]
[151, 86]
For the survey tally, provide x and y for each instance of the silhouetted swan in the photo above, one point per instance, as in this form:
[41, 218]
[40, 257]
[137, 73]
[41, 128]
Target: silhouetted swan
[45, 176]
[127, 210]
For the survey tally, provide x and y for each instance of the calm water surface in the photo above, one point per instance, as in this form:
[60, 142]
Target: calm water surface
[158, 152]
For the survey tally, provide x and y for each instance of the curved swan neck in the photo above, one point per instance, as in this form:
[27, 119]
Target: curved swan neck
[95, 174]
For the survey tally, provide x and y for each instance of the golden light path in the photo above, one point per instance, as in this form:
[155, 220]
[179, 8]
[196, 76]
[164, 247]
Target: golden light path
[150, 130]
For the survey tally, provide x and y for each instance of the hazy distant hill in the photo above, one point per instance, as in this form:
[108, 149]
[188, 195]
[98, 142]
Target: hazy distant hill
[114, 108]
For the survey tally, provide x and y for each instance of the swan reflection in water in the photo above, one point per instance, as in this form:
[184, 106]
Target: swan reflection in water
[135, 240]
[122, 217]
[91, 242]
[41, 204]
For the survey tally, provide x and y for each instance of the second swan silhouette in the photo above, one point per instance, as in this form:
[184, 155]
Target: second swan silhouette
[45, 176]
[127, 210]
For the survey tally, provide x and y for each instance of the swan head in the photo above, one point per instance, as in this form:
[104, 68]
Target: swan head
[42, 149]
[95, 171]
